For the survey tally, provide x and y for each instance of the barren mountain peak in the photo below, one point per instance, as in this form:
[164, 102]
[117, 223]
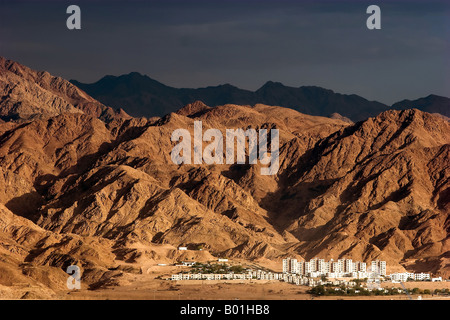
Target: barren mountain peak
[28, 94]
[193, 108]
[74, 189]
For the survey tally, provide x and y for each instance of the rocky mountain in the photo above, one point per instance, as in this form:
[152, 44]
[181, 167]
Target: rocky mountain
[104, 194]
[140, 95]
[143, 96]
[431, 104]
[27, 94]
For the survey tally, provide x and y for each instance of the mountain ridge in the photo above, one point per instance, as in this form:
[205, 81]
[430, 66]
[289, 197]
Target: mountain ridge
[150, 97]
[76, 188]
[26, 94]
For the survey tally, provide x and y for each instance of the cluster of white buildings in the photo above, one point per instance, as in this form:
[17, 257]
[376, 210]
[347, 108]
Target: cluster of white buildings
[301, 280]
[307, 272]
[405, 276]
[334, 269]
[211, 276]
[258, 274]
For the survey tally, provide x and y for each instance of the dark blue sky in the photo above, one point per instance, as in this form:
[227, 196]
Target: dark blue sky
[244, 43]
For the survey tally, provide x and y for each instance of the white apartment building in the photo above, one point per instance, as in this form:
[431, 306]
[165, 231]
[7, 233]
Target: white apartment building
[334, 269]
[294, 266]
[404, 276]
[301, 267]
[373, 267]
[348, 266]
[421, 276]
[361, 274]
[378, 267]
[323, 266]
[219, 276]
[382, 267]
[286, 264]
[307, 268]
[313, 264]
[362, 267]
[340, 266]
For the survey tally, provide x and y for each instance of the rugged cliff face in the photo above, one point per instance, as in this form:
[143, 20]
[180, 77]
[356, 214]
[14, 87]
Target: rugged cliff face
[28, 94]
[77, 185]
[376, 188]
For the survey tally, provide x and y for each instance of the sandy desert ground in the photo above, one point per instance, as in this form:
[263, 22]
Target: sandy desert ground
[146, 287]
[150, 286]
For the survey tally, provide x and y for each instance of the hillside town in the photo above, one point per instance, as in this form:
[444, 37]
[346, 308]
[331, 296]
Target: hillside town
[310, 273]
[334, 269]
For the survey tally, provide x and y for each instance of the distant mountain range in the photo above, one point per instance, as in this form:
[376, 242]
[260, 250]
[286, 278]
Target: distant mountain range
[81, 183]
[139, 95]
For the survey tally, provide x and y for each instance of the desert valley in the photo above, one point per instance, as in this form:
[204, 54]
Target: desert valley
[84, 184]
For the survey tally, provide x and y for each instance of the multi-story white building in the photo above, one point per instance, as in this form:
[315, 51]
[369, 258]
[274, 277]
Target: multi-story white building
[322, 266]
[362, 267]
[348, 266]
[313, 264]
[374, 266]
[422, 276]
[382, 267]
[378, 267]
[404, 276]
[286, 265]
[300, 267]
[340, 266]
[334, 269]
[294, 266]
[307, 268]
